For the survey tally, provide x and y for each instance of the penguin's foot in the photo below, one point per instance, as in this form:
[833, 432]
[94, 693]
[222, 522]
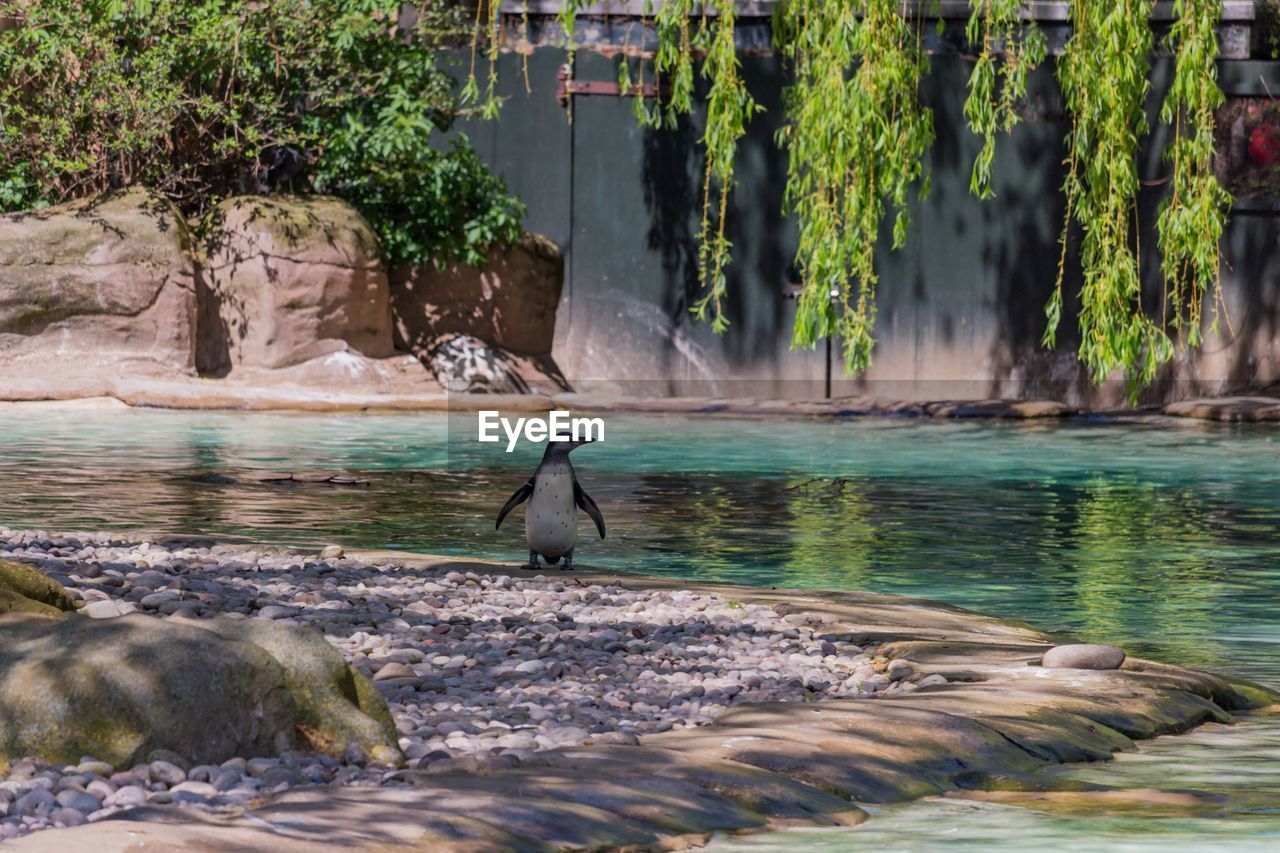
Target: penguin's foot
[533, 561]
[568, 562]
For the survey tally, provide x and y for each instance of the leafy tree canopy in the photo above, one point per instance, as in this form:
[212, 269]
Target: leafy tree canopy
[204, 99]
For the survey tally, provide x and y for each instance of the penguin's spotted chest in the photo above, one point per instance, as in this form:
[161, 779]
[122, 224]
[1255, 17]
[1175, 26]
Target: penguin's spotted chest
[551, 520]
[554, 495]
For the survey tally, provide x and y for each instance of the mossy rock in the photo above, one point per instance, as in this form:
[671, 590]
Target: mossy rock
[1250, 696]
[289, 279]
[119, 689]
[336, 706]
[11, 602]
[27, 590]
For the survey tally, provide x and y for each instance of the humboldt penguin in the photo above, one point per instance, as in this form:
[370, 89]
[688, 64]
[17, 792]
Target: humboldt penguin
[551, 519]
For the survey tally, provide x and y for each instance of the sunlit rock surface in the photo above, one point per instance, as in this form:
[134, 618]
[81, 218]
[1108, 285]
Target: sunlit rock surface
[104, 280]
[287, 279]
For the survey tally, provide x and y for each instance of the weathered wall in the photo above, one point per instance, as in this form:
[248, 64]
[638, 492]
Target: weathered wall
[960, 307]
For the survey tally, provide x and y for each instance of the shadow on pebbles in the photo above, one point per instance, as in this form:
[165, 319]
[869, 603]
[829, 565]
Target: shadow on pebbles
[584, 710]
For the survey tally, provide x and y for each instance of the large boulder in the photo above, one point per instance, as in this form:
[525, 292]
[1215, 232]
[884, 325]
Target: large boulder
[289, 278]
[119, 689]
[336, 705]
[104, 278]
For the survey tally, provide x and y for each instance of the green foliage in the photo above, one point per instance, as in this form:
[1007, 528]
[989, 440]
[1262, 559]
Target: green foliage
[856, 137]
[673, 62]
[471, 90]
[1103, 75]
[1266, 25]
[203, 100]
[1192, 216]
[729, 106]
[422, 203]
[995, 85]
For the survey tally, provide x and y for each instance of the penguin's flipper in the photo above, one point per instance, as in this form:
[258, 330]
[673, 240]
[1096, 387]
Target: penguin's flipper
[522, 494]
[583, 500]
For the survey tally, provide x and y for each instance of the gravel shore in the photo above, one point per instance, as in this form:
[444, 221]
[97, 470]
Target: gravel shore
[480, 669]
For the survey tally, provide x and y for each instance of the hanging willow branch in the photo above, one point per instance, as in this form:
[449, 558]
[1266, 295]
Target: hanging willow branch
[568, 16]
[471, 90]
[729, 106]
[673, 61]
[857, 136]
[995, 85]
[1103, 75]
[1193, 215]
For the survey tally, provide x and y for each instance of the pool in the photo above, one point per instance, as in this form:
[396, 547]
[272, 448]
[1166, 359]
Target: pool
[1162, 538]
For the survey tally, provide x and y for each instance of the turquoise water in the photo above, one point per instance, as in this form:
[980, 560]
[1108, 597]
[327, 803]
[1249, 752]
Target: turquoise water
[1163, 539]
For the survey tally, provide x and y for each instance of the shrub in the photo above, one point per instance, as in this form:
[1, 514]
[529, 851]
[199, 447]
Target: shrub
[212, 98]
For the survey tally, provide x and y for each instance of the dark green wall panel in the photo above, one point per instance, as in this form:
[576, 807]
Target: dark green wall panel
[960, 308]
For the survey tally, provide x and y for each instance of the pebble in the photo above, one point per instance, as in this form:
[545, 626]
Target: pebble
[29, 802]
[480, 671]
[259, 766]
[108, 608]
[203, 789]
[394, 670]
[898, 670]
[95, 768]
[1084, 656]
[79, 800]
[167, 773]
[66, 817]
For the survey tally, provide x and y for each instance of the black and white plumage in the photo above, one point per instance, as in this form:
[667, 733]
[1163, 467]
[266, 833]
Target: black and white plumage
[554, 495]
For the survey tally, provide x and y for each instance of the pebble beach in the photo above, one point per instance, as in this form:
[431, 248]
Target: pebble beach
[479, 669]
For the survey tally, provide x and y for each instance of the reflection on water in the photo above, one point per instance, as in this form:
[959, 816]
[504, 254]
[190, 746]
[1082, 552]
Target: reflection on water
[1163, 540]
[1239, 761]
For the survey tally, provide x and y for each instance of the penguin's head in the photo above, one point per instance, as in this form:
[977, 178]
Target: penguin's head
[564, 448]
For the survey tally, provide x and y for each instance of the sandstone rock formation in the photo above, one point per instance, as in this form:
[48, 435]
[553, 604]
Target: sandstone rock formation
[510, 304]
[287, 279]
[117, 689]
[98, 280]
[484, 330]
[287, 295]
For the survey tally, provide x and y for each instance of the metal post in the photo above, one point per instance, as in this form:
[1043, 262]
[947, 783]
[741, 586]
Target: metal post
[827, 382]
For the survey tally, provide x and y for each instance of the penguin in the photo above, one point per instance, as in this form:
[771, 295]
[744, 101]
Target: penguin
[551, 519]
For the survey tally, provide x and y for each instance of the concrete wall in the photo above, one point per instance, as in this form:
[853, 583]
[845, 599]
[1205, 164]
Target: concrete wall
[960, 310]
